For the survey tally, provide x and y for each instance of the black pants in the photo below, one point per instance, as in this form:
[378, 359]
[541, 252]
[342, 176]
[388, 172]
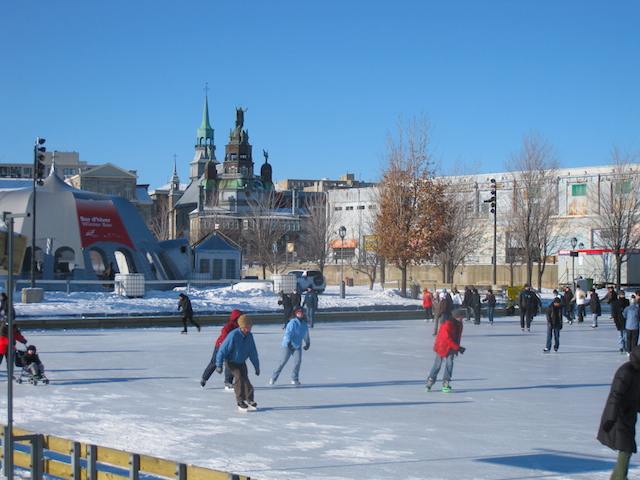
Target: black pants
[228, 378]
[189, 318]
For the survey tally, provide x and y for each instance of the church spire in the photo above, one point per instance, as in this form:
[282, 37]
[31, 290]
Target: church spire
[205, 149]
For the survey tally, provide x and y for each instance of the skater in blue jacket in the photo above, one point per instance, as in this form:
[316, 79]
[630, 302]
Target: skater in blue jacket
[296, 334]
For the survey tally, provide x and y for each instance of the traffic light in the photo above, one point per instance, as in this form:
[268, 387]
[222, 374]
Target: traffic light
[492, 200]
[39, 167]
[493, 195]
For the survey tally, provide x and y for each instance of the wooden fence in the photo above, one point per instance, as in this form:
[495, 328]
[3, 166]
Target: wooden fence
[62, 458]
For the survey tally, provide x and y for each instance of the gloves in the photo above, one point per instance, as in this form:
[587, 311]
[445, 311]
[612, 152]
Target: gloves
[461, 350]
[219, 369]
[290, 346]
[257, 372]
[608, 425]
[306, 347]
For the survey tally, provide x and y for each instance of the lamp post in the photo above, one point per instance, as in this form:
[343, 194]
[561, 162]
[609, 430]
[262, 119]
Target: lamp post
[7, 443]
[38, 173]
[494, 209]
[574, 254]
[342, 232]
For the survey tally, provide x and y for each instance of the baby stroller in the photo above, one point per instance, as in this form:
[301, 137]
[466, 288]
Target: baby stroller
[26, 372]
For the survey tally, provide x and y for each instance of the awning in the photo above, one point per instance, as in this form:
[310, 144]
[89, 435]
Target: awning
[348, 243]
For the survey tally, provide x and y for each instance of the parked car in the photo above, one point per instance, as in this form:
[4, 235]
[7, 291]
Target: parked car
[306, 278]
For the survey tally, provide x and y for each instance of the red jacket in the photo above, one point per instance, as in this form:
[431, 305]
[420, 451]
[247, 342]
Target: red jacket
[229, 327]
[427, 299]
[448, 338]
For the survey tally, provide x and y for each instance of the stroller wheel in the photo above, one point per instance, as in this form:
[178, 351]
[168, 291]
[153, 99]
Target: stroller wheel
[33, 381]
[18, 380]
[45, 381]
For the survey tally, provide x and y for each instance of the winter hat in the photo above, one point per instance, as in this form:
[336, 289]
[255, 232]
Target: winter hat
[458, 313]
[31, 347]
[621, 293]
[235, 314]
[244, 321]
[297, 310]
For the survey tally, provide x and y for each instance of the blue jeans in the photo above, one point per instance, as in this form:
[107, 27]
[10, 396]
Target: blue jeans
[309, 312]
[622, 341]
[448, 367]
[297, 360]
[556, 337]
[490, 313]
[595, 319]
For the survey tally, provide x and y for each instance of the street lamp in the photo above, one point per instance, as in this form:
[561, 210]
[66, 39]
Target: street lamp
[342, 231]
[574, 254]
[38, 174]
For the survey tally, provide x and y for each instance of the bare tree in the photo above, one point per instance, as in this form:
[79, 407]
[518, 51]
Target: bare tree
[408, 227]
[318, 226]
[160, 221]
[533, 171]
[462, 224]
[265, 243]
[619, 202]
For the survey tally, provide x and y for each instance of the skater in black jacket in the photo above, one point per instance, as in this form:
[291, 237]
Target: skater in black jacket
[618, 423]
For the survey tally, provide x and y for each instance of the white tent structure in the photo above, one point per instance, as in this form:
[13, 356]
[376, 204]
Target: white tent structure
[79, 233]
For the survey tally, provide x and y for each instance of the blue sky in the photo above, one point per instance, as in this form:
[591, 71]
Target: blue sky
[323, 82]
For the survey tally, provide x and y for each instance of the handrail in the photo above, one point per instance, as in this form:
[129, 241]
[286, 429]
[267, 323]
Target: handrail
[63, 458]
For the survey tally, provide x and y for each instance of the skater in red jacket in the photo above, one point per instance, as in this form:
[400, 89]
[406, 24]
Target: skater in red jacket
[447, 346]
[231, 325]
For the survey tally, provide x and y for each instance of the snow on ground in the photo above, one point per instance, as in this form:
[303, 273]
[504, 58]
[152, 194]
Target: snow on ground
[361, 413]
[248, 297]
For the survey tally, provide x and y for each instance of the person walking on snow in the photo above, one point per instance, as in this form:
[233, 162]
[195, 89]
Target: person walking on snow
[475, 306]
[234, 352]
[310, 305]
[447, 346]
[296, 334]
[618, 422]
[554, 324]
[231, 325]
[187, 312]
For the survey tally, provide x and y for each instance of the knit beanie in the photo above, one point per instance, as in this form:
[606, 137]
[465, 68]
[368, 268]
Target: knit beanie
[235, 314]
[244, 321]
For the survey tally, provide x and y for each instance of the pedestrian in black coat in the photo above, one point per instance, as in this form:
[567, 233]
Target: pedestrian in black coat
[617, 308]
[554, 324]
[475, 306]
[285, 301]
[184, 304]
[594, 305]
[618, 423]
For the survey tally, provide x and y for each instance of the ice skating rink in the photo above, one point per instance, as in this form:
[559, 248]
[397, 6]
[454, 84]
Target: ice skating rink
[361, 413]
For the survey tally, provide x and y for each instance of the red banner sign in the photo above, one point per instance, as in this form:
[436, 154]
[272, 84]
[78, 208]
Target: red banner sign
[99, 222]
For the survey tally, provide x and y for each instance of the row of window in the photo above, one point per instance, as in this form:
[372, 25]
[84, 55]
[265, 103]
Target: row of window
[219, 268]
[351, 207]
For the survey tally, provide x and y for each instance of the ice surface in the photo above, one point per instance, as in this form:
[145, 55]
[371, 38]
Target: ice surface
[362, 411]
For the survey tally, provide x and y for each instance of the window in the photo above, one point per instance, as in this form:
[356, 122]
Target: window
[623, 188]
[217, 269]
[204, 265]
[579, 190]
[349, 208]
[337, 209]
[360, 207]
[231, 268]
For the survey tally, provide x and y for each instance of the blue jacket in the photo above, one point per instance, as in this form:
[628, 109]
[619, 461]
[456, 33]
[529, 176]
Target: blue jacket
[631, 315]
[236, 348]
[310, 299]
[295, 333]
